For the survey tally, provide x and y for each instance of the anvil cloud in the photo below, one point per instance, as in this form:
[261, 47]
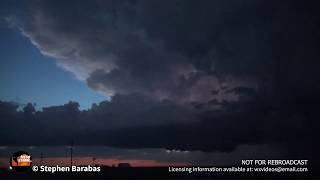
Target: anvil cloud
[192, 75]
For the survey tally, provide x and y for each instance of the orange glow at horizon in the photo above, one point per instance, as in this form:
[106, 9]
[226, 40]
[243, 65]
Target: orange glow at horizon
[65, 161]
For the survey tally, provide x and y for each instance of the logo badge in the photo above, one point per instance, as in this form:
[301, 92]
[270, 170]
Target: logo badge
[21, 161]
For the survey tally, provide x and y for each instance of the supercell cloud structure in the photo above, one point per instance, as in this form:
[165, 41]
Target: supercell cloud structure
[191, 75]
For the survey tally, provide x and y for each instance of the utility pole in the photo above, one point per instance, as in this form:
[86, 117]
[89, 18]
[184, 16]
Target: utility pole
[71, 153]
[41, 157]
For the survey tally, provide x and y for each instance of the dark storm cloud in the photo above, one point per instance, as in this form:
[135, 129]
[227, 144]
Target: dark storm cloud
[135, 121]
[207, 75]
[170, 49]
[174, 49]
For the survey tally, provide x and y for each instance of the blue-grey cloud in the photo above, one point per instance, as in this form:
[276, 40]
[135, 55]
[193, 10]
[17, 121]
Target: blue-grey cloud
[179, 72]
